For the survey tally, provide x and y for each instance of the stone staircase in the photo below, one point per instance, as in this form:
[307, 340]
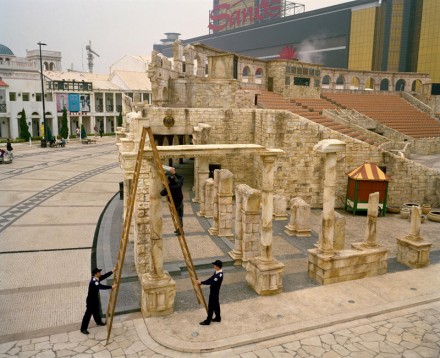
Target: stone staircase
[272, 100]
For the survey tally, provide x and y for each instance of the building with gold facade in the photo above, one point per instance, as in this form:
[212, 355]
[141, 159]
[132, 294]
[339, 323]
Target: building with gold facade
[369, 35]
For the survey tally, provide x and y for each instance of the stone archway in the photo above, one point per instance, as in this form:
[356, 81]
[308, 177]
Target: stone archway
[355, 83]
[340, 82]
[370, 83]
[400, 85]
[416, 86]
[385, 84]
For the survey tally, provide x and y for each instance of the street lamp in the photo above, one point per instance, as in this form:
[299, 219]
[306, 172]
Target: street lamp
[42, 95]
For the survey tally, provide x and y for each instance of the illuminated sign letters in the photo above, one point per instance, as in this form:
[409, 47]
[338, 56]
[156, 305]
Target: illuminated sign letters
[223, 16]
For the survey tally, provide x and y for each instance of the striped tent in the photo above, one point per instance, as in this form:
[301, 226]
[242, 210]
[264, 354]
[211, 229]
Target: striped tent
[362, 181]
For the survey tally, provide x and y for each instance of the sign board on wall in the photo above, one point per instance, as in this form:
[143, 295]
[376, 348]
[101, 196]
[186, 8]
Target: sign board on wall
[74, 105]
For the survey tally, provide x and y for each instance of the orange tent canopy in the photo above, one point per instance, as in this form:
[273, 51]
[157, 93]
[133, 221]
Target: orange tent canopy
[368, 171]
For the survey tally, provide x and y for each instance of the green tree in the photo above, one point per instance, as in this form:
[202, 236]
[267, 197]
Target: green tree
[120, 120]
[24, 129]
[64, 131]
[83, 132]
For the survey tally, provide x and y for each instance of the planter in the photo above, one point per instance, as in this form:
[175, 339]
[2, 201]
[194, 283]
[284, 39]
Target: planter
[405, 213]
[434, 216]
[426, 208]
[393, 209]
[410, 205]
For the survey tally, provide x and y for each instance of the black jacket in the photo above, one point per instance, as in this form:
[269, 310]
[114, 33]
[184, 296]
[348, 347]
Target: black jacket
[94, 287]
[175, 185]
[215, 282]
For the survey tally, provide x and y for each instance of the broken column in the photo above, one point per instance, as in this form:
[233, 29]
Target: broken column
[222, 225]
[339, 235]
[413, 250]
[158, 288]
[209, 198]
[279, 207]
[213, 230]
[201, 164]
[247, 224]
[299, 224]
[264, 272]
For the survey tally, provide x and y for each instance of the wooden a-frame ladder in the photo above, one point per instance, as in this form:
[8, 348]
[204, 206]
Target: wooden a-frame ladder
[127, 224]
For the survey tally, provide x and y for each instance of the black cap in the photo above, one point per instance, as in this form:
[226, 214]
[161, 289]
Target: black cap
[95, 271]
[218, 263]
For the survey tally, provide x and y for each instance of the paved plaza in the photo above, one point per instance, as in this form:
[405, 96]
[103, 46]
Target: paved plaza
[51, 200]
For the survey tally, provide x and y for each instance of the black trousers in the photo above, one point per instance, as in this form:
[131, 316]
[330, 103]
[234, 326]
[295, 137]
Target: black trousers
[179, 210]
[90, 310]
[213, 307]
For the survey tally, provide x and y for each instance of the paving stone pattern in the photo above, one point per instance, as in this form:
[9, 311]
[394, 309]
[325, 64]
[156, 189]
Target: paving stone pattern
[410, 333]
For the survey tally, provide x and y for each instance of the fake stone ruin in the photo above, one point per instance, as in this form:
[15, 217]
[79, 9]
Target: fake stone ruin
[203, 109]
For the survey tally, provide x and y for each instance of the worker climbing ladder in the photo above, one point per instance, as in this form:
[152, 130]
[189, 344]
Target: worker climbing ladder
[127, 224]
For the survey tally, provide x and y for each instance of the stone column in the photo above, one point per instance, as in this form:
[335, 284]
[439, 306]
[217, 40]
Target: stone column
[237, 253]
[264, 273]
[202, 211]
[279, 207]
[225, 194]
[339, 236]
[158, 288]
[299, 224]
[330, 147]
[214, 228]
[201, 164]
[202, 175]
[413, 250]
[373, 212]
[251, 223]
[267, 207]
[209, 198]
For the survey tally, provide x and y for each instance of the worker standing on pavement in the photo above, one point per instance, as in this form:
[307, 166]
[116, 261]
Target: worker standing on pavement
[215, 282]
[93, 301]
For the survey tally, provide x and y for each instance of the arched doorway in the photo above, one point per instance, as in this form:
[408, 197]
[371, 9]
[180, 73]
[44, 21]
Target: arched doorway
[259, 76]
[400, 85]
[416, 86]
[369, 84]
[325, 83]
[384, 84]
[245, 74]
[355, 83]
[340, 81]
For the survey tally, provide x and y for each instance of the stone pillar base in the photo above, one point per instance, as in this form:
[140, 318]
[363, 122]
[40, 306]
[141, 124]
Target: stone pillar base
[237, 257]
[213, 231]
[279, 217]
[413, 253]
[293, 231]
[157, 295]
[265, 276]
[346, 265]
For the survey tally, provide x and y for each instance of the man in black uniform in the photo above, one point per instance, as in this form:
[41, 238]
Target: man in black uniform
[215, 282]
[175, 182]
[92, 300]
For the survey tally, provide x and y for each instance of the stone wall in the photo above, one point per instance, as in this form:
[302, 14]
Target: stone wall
[300, 170]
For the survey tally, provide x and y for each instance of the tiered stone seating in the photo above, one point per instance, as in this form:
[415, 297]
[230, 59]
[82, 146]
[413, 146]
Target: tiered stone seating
[390, 110]
[272, 100]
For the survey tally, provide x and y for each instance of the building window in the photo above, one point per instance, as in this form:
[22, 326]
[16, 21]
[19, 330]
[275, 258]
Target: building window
[38, 97]
[25, 97]
[301, 81]
[12, 96]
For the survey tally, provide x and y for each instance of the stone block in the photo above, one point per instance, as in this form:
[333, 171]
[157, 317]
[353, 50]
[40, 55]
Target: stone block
[347, 265]
[157, 295]
[414, 254]
[265, 277]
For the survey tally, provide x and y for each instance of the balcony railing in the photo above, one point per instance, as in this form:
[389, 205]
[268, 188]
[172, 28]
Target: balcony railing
[3, 108]
[109, 108]
[98, 108]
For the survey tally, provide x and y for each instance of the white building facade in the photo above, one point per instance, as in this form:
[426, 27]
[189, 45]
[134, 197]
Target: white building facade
[92, 100]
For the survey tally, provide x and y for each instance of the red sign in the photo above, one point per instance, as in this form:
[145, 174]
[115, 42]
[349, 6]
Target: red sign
[223, 16]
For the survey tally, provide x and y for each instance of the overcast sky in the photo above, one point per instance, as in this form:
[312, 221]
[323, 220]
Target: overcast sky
[115, 27]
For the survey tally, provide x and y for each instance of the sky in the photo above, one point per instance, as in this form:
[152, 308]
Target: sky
[115, 27]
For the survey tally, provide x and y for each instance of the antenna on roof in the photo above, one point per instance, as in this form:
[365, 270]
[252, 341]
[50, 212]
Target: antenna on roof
[90, 54]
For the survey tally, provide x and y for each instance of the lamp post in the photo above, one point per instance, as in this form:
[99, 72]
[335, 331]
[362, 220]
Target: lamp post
[43, 141]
